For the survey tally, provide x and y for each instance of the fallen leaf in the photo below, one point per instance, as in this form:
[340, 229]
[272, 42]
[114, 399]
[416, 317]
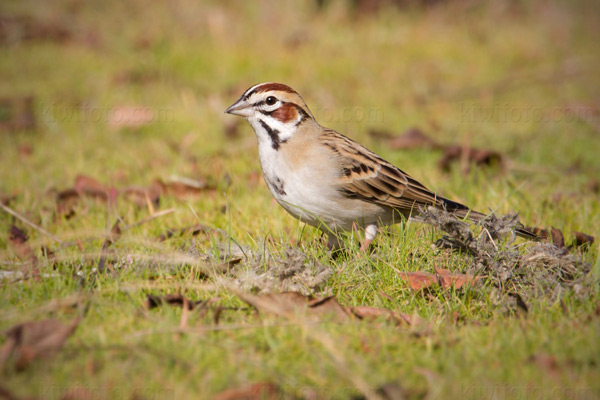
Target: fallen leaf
[292, 304]
[520, 301]
[25, 150]
[6, 199]
[448, 279]
[558, 238]
[179, 300]
[365, 312]
[582, 240]
[593, 185]
[88, 186]
[66, 201]
[542, 233]
[419, 280]
[181, 187]
[411, 139]
[15, 29]
[144, 197]
[255, 391]
[467, 156]
[19, 240]
[227, 266]
[30, 340]
[444, 278]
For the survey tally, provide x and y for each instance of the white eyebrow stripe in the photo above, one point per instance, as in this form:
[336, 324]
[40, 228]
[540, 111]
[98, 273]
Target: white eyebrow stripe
[253, 88]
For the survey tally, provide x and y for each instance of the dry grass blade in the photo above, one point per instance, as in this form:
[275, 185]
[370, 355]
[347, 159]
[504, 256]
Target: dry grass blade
[295, 305]
[28, 222]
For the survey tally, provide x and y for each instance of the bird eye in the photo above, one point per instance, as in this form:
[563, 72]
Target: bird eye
[271, 100]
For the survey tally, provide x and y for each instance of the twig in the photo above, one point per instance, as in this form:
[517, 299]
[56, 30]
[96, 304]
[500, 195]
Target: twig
[31, 224]
[150, 218]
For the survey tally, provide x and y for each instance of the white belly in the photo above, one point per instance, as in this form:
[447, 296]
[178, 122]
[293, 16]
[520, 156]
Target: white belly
[307, 194]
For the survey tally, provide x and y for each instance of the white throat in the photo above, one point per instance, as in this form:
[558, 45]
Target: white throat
[272, 132]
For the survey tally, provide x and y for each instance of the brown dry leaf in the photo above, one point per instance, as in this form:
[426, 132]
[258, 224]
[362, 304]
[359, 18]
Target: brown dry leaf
[445, 279]
[419, 280]
[66, 201]
[227, 266]
[365, 312]
[18, 28]
[593, 185]
[519, 301]
[19, 240]
[31, 340]
[144, 197]
[178, 299]
[292, 304]
[542, 233]
[130, 116]
[582, 240]
[411, 139]
[17, 113]
[448, 279]
[6, 199]
[88, 186]
[255, 391]
[183, 187]
[468, 156]
[25, 150]
[558, 238]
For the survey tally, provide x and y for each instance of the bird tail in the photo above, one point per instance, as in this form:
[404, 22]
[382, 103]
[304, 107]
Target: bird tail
[462, 211]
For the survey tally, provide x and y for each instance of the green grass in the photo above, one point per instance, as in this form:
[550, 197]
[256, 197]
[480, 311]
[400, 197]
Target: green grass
[392, 70]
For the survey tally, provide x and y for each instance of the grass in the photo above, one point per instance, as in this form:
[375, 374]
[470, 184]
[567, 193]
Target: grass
[457, 71]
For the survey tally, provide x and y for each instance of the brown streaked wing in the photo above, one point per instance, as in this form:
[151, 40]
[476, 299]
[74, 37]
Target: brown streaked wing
[368, 177]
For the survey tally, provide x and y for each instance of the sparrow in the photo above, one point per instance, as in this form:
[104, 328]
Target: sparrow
[326, 179]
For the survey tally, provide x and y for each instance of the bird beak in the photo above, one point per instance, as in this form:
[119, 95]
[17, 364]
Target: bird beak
[241, 108]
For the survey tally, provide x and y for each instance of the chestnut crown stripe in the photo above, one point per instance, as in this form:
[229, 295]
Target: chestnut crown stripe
[265, 87]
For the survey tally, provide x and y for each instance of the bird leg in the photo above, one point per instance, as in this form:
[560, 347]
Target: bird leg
[370, 234]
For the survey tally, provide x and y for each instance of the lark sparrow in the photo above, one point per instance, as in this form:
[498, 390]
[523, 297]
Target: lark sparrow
[325, 179]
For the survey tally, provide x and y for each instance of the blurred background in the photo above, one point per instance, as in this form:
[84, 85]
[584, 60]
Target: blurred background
[131, 93]
[112, 120]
